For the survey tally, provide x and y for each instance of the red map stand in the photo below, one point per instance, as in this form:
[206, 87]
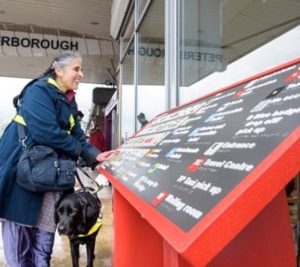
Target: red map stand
[249, 227]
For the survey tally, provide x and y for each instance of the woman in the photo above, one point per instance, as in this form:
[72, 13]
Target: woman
[47, 106]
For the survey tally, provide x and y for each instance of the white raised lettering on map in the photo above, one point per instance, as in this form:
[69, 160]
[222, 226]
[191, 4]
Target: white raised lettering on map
[192, 212]
[175, 201]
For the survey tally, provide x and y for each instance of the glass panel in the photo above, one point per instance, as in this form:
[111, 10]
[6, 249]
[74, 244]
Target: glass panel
[127, 35]
[199, 40]
[151, 55]
[141, 6]
[224, 41]
[127, 96]
[258, 61]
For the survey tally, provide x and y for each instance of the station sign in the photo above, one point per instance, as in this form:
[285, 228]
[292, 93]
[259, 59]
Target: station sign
[34, 44]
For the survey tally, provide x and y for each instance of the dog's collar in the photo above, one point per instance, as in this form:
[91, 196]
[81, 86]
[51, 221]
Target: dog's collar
[94, 228]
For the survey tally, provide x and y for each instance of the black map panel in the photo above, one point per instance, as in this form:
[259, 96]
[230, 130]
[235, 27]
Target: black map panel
[186, 160]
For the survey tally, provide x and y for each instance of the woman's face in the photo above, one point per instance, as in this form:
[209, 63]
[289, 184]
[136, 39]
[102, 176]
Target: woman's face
[70, 76]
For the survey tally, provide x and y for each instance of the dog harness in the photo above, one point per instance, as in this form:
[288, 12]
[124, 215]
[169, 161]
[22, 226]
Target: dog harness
[94, 228]
[99, 221]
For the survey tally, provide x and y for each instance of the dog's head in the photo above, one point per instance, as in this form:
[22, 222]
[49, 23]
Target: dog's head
[76, 213]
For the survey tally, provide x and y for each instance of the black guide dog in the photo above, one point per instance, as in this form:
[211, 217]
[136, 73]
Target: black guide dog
[78, 216]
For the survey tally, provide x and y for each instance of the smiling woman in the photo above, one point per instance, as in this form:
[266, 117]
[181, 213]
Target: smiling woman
[47, 115]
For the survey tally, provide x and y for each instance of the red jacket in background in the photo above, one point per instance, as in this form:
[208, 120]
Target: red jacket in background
[97, 140]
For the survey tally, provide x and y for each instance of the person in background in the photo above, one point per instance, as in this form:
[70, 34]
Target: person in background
[97, 139]
[48, 109]
[80, 115]
[142, 119]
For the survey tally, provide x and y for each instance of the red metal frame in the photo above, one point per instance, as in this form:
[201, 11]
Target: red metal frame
[233, 213]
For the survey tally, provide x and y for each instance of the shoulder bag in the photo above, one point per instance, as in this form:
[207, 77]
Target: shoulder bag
[40, 170]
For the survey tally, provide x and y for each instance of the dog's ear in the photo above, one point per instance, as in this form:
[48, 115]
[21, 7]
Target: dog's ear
[56, 218]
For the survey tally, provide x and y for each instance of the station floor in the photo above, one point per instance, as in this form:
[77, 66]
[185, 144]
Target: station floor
[61, 256]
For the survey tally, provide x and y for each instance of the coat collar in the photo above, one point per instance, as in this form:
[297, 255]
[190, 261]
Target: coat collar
[70, 94]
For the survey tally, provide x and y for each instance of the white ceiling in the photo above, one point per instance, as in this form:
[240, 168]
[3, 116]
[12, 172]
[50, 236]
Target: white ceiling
[71, 18]
[246, 24]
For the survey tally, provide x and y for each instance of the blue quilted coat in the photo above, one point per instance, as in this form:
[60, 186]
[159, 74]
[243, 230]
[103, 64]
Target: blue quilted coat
[46, 111]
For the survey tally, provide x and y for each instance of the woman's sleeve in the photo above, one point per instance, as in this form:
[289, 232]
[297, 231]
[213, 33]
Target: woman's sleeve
[89, 152]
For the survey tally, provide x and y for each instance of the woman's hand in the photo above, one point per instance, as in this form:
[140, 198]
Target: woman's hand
[106, 155]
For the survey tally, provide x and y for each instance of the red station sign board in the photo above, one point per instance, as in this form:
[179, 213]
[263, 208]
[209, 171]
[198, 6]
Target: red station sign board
[208, 177]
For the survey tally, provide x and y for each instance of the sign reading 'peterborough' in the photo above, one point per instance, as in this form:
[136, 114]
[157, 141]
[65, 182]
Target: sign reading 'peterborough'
[13, 41]
[187, 160]
[35, 44]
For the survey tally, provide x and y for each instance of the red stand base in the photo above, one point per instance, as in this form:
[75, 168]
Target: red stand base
[266, 241]
[136, 243]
